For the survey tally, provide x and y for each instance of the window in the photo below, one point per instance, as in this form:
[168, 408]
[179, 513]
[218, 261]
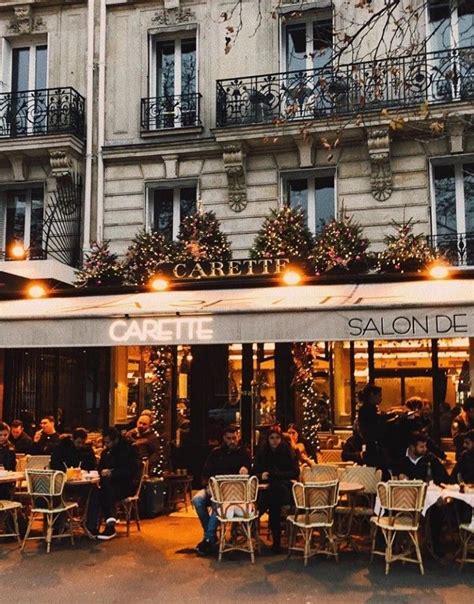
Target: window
[451, 24]
[314, 193]
[174, 82]
[308, 44]
[168, 207]
[21, 213]
[453, 210]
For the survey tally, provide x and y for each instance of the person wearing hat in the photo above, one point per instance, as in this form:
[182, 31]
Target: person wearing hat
[277, 466]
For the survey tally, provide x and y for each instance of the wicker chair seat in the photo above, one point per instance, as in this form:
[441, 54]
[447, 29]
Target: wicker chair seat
[395, 524]
[7, 505]
[57, 510]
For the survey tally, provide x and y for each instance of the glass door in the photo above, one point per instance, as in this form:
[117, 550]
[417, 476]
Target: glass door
[29, 81]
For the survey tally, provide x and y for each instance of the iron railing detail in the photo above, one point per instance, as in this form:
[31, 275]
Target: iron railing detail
[437, 77]
[458, 248]
[40, 112]
[158, 113]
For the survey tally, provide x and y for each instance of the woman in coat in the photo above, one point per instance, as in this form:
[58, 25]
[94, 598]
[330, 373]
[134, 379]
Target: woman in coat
[276, 466]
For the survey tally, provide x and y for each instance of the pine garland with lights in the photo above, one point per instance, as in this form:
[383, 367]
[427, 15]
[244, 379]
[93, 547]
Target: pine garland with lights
[304, 384]
[341, 247]
[145, 255]
[100, 267]
[201, 238]
[160, 364]
[283, 234]
[404, 251]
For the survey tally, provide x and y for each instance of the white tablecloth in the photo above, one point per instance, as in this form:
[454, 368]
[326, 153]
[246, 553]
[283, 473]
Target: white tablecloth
[433, 493]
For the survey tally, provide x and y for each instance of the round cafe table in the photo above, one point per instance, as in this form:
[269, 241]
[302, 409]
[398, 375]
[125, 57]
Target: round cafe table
[8, 477]
[350, 490]
[80, 490]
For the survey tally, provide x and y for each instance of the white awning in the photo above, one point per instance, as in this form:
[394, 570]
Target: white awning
[369, 311]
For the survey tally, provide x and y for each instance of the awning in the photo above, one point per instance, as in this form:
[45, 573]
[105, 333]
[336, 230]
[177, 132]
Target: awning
[368, 311]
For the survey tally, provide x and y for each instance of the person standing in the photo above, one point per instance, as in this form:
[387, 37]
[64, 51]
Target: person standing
[277, 466]
[372, 428]
[229, 458]
[19, 439]
[46, 439]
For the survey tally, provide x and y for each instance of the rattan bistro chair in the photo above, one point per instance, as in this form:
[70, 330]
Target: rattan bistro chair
[129, 505]
[315, 506]
[402, 502]
[9, 509]
[45, 488]
[466, 532]
[319, 473]
[369, 478]
[235, 497]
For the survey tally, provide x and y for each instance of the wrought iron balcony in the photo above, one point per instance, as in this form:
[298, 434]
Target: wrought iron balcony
[40, 112]
[437, 77]
[159, 113]
[458, 248]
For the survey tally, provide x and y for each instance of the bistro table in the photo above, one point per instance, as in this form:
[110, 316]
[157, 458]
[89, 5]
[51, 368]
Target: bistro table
[350, 489]
[8, 477]
[81, 489]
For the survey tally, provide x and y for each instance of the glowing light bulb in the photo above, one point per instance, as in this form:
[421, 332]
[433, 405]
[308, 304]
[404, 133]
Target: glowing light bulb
[291, 277]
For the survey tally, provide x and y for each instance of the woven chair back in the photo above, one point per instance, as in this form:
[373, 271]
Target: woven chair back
[230, 489]
[38, 462]
[45, 483]
[317, 501]
[366, 476]
[319, 473]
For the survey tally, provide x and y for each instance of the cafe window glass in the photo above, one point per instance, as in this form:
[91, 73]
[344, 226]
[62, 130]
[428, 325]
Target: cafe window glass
[169, 206]
[314, 193]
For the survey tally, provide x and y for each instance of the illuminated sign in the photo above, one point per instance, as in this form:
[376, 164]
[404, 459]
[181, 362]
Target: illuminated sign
[408, 325]
[229, 268]
[180, 329]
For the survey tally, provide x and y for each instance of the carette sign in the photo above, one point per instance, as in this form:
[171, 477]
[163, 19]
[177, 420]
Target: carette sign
[181, 329]
[228, 268]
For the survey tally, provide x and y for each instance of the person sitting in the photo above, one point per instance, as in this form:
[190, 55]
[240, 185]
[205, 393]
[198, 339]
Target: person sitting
[46, 439]
[119, 471]
[74, 452]
[145, 441]
[419, 463]
[462, 424]
[19, 439]
[463, 471]
[7, 458]
[352, 448]
[229, 458]
[298, 447]
[276, 465]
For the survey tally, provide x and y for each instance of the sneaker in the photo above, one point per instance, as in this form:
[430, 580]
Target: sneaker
[204, 548]
[108, 533]
[200, 544]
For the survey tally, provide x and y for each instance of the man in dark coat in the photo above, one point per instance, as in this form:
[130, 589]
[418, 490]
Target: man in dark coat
[74, 452]
[462, 424]
[46, 439]
[119, 475]
[7, 459]
[230, 458]
[372, 428]
[464, 468]
[146, 442]
[19, 439]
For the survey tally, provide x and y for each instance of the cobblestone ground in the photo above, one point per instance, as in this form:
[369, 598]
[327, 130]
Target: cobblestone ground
[158, 565]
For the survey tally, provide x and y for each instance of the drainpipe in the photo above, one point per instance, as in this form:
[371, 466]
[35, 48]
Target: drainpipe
[101, 122]
[89, 127]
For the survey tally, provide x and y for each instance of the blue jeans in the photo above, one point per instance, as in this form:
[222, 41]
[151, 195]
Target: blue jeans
[209, 522]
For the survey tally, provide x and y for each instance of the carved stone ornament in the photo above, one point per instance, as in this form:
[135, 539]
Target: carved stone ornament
[173, 16]
[61, 164]
[234, 165]
[381, 182]
[23, 22]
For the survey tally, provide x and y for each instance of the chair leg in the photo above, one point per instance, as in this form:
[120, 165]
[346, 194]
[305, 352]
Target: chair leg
[291, 537]
[307, 534]
[137, 515]
[247, 527]
[373, 530]
[71, 525]
[414, 537]
[30, 524]
[15, 524]
[389, 539]
[221, 541]
[465, 541]
[49, 532]
[128, 513]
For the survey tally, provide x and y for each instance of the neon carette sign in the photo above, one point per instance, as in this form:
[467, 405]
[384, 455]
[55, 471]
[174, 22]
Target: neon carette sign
[180, 329]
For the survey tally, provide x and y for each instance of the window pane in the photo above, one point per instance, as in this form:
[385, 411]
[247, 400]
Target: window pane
[20, 69]
[297, 194]
[468, 174]
[466, 23]
[163, 213]
[324, 195]
[15, 219]
[188, 66]
[165, 66]
[322, 43]
[187, 202]
[445, 200]
[41, 67]
[296, 47]
[439, 17]
[36, 227]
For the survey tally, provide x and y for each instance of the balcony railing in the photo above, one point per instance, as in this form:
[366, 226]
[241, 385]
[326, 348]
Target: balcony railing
[40, 112]
[458, 248]
[437, 77]
[159, 113]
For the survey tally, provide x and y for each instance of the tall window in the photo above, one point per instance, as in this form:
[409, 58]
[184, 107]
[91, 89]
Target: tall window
[314, 193]
[453, 206]
[451, 24]
[308, 43]
[174, 81]
[21, 214]
[168, 207]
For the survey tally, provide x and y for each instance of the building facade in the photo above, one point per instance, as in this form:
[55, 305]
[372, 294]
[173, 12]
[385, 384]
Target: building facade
[129, 113]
